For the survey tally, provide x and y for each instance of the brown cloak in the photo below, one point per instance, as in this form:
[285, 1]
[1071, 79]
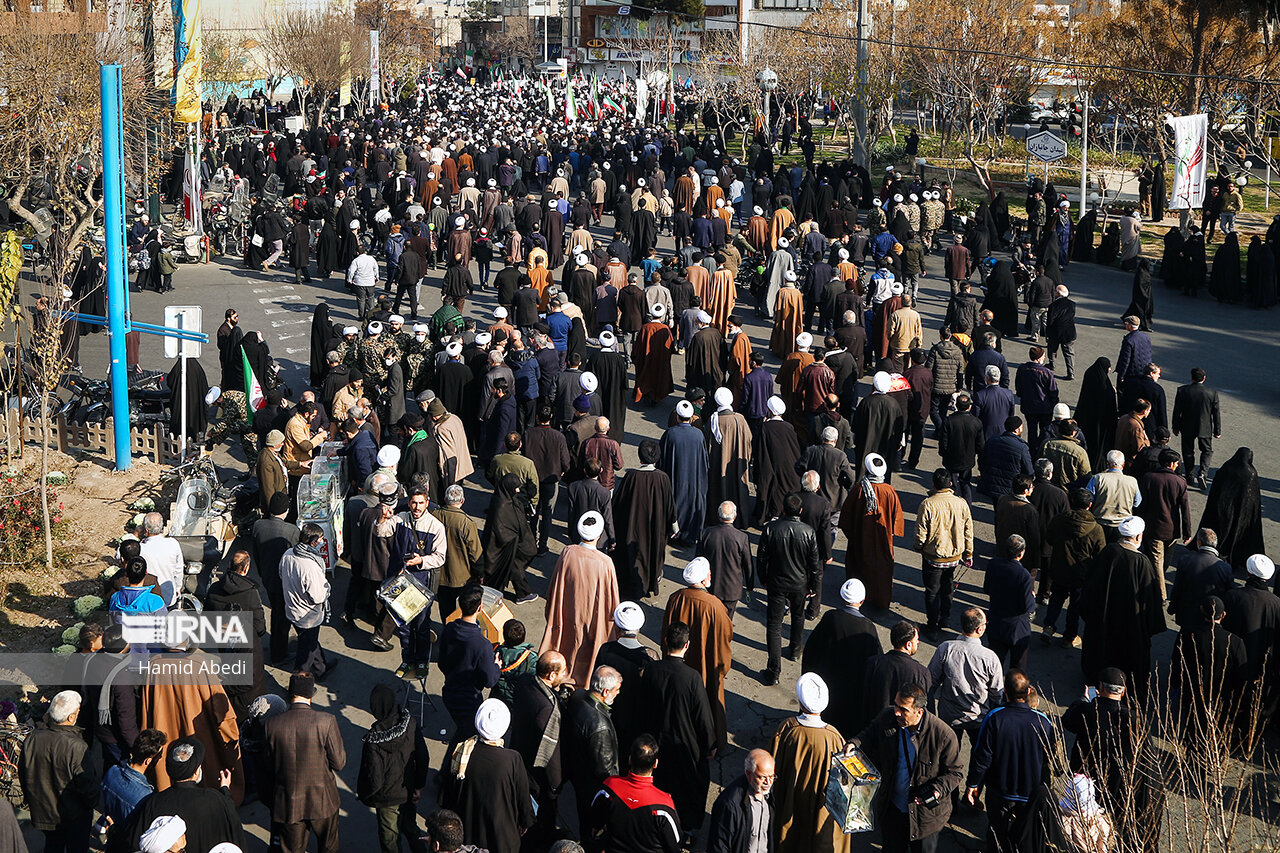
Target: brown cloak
[869, 555]
[782, 220]
[652, 358]
[580, 604]
[730, 462]
[802, 756]
[682, 194]
[721, 298]
[788, 320]
[194, 705]
[710, 644]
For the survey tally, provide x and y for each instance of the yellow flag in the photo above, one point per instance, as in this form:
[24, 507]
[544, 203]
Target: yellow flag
[189, 60]
[344, 90]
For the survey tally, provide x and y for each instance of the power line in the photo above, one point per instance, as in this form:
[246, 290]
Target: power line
[1064, 63]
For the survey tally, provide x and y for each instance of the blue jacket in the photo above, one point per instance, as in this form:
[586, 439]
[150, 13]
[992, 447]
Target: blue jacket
[123, 788]
[136, 599]
[1135, 354]
[1008, 584]
[1010, 758]
[1003, 458]
[466, 659]
[976, 370]
[362, 457]
[1037, 389]
[994, 405]
[527, 373]
[560, 324]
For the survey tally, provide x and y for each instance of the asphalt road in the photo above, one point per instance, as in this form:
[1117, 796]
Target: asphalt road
[1236, 345]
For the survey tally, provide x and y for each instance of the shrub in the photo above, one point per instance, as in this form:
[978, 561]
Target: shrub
[86, 605]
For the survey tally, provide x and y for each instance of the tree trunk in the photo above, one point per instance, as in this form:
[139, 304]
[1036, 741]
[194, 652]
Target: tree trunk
[1196, 81]
[44, 482]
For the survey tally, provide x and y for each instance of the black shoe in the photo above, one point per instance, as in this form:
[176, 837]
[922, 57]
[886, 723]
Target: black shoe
[328, 670]
[768, 678]
[1201, 482]
[524, 599]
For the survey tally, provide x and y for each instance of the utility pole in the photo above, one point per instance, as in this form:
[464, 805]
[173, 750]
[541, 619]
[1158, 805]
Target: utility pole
[864, 84]
[1084, 152]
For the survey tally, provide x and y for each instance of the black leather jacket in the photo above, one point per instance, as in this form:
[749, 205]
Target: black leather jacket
[787, 557]
[588, 742]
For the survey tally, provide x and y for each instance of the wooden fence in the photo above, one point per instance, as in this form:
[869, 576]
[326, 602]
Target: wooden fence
[153, 443]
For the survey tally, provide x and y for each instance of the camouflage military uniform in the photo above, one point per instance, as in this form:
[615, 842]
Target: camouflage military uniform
[347, 351]
[401, 341]
[875, 218]
[235, 421]
[932, 214]
[912, 211]
[369, 359]
[417, 360]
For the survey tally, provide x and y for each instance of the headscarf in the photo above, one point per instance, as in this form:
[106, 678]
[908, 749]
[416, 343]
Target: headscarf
[321, 336]
[1097, 409]
[1233, 509]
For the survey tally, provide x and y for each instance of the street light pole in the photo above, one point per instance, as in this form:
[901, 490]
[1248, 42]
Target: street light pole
[1084, 151]
[864, 84]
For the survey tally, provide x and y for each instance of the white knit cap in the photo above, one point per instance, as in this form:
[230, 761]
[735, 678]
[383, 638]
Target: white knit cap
[493, 718]
[590, 526]
[812, 692]
[1260, 566]
[628, 616]
[589, 382]
[697, 571]
[1061, 411]
[684, 409]
[776, 406]
[724, 398]
[880, 382]
[853, 591]
[1132, 526]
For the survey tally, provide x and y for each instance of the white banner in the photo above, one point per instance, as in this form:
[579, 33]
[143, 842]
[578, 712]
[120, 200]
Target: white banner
[1190, 160]
[375, 70]
[642, 99]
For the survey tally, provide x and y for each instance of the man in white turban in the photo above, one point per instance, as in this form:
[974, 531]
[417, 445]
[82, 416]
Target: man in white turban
[581, 600]
[710, 635]
[629, 656]
[487, 784]
[802, 749]
[166, 834]
[879, 423]
[1122, 604]
[838, 651]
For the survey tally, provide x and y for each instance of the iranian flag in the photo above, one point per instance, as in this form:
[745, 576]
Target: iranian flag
[611, 104]
[252, 389]
[570, 105]
[595, 96]
[551, 101]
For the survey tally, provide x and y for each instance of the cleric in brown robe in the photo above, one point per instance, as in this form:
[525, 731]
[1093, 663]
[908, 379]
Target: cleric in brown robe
[651, 355]
[729, 450]
[580, 602]
[871, 517]
[710, 636]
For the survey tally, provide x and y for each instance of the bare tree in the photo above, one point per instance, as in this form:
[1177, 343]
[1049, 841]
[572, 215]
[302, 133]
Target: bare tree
[317, 49]
[406, 41]
[518, 39]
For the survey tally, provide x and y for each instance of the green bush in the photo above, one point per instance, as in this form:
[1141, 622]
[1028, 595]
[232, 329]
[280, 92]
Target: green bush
[21, 527]
[72, 634]
[86, 605]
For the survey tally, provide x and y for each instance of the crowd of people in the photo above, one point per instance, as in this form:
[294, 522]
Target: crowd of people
[559, 228]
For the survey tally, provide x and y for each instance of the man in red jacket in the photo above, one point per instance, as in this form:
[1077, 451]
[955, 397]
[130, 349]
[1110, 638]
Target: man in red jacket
[629, 814]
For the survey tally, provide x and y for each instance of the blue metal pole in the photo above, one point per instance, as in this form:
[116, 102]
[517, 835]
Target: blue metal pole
[113, 214]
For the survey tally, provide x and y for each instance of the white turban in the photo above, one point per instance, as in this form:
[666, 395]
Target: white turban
[804, 340]
[684, 409]
[897, 197]
[590, 526]
[875, 465]
[163, 833]
[459, 221]
[375, 328]
[704, 317]
[420, 328]
[500, 313]
[724, 398]
[629, 617]
[454, 348]
[396, 319]
[589, 382]
[759, 211]
[698, 570]
[353, 224]
[1132, 526]
[658, 309]
[1260, 566]
[483, 339]
[812, 692]
[776, 406]
[212, 397]
[493, 718]
[350, 330]
[880, 382]
[789, 275]
[389, 456]
[915, 197]
[896, 288]
[226, 847]
[783, 242]
[853, 591]
[607, 339]
[844, 254]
